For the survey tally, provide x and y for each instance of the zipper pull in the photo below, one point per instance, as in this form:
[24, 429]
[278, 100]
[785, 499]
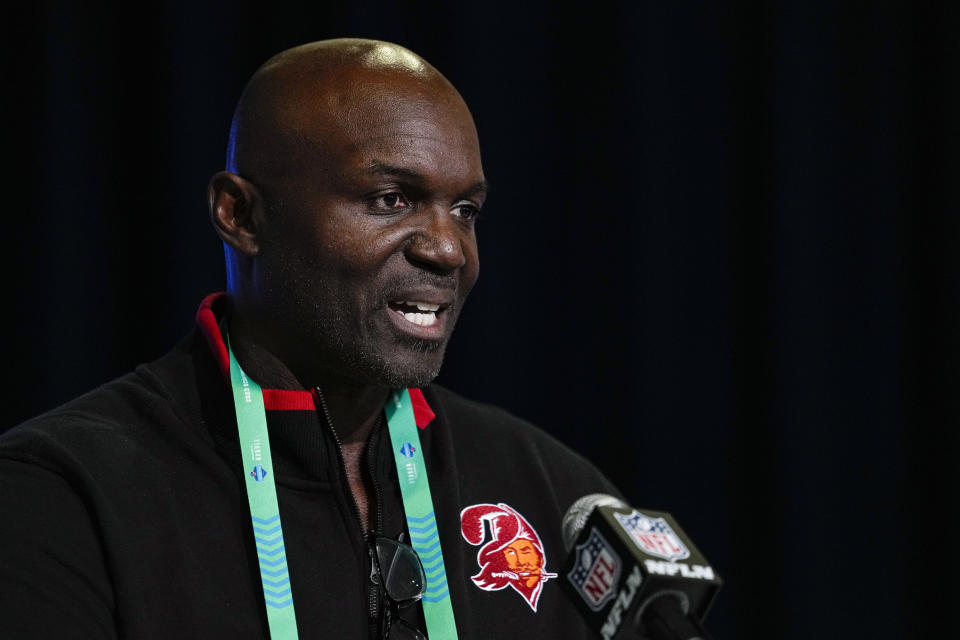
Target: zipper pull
[374, 578]
[373, 593]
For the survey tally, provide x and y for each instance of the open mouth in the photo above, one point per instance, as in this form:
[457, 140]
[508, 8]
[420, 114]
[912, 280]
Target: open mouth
[422, 314]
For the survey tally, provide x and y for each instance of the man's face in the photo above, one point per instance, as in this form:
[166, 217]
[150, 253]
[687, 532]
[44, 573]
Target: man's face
[371, 249]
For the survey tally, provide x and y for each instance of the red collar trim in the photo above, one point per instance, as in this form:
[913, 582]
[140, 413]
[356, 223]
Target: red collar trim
[214, 306]
[422, 413]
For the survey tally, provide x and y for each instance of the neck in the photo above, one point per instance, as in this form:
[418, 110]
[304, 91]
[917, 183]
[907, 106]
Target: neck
[353, 407]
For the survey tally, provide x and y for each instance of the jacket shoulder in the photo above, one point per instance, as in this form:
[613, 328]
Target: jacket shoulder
[484, 420]
[492, 437]
[105, 423]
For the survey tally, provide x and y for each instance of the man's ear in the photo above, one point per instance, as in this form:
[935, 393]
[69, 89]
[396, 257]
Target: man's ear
[236, 211]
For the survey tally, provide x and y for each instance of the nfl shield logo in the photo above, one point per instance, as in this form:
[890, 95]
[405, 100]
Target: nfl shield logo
[596, 571]
[653, 535]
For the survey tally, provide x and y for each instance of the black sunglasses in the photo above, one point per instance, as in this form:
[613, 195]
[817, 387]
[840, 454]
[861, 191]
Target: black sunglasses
[399, 574]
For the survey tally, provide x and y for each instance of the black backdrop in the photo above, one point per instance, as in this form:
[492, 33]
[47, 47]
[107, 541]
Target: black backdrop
[719, 258]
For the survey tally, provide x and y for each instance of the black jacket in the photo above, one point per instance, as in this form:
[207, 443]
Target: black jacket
[124, 513]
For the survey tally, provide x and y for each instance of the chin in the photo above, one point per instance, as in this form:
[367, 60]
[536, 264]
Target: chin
[399, 377]
[414, 365]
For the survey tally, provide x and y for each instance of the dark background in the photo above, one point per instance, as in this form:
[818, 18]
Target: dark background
[719, 258]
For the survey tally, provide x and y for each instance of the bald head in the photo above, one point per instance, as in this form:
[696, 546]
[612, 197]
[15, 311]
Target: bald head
[347, 211]
[301, 97]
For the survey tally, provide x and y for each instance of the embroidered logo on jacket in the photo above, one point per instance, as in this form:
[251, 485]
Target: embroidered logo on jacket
[513, 557]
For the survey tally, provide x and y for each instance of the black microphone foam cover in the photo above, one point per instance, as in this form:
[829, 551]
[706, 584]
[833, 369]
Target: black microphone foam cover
[578, 513]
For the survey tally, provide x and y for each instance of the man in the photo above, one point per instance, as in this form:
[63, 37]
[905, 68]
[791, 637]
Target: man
[347, 214]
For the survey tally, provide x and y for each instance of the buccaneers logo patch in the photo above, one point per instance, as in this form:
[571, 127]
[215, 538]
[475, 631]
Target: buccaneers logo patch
[514, 555]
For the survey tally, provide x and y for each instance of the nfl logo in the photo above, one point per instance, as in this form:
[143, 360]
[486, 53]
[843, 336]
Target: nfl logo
[596, 571]
[653, 535]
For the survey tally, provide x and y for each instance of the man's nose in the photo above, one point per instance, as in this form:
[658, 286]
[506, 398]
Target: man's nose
[437, 243]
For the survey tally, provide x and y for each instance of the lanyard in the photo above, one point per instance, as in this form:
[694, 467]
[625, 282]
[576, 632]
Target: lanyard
[418, 506]
[265, 512]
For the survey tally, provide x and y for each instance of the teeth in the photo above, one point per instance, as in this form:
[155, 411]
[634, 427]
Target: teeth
[422, 319]
[422, 306]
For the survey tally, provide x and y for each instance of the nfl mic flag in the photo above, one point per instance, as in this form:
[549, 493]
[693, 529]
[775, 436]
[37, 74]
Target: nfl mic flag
[633, 571]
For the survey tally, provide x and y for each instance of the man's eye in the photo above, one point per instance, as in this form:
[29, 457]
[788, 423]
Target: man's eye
[394, 200]
[467, 212]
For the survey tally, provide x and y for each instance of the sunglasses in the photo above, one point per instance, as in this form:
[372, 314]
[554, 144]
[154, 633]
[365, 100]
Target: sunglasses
[399, 574]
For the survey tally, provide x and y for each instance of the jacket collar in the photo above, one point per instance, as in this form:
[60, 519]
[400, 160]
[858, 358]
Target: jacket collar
[209, 316]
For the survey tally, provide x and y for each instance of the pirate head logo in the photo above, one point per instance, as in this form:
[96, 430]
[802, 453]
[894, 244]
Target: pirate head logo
[514, 555]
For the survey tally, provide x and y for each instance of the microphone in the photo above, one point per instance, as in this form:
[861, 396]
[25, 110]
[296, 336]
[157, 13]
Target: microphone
[635, 574]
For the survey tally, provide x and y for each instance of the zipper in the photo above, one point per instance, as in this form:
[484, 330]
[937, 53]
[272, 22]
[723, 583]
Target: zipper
[373, 588]
[373, 441]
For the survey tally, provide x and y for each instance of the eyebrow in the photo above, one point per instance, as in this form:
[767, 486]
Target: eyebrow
[380, 168]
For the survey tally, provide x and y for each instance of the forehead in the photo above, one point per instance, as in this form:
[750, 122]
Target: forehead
[522, 544]
[391, 118]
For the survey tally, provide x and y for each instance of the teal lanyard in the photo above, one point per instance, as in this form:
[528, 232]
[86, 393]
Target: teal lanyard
[418, 506]
[265, 512]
